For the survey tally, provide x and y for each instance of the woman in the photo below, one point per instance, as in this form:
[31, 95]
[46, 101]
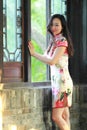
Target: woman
[56, 55]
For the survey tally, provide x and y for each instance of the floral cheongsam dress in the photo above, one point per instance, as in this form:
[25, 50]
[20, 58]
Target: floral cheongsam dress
[61, 81]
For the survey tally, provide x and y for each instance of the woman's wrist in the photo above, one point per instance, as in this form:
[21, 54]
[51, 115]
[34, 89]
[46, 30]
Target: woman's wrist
[33, 54]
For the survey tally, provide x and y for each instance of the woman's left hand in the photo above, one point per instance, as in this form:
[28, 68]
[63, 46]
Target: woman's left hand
[31, 48]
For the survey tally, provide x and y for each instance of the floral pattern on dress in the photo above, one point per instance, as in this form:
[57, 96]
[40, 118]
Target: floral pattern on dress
[62, 85]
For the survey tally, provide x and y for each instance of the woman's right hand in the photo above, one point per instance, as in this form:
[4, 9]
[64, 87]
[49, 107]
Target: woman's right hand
[31, 48]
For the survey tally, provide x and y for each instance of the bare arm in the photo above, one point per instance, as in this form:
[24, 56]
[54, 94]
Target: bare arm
[53, 60]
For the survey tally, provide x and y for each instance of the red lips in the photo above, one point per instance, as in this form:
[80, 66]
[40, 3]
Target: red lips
[53, 30]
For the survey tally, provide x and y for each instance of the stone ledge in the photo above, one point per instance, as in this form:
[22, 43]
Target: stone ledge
[25, 85]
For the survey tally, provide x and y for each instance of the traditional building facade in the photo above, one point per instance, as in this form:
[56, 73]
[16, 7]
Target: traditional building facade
[25, 105]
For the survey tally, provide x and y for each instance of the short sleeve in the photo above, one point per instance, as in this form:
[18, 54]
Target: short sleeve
[62, 42]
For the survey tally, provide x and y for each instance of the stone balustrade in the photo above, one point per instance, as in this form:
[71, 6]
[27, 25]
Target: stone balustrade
[27, 107]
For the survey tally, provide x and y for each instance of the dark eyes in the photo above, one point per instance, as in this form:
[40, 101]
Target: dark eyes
[55, 25]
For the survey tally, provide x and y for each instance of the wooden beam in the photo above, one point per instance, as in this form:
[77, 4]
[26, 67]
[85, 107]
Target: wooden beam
[27, 37]
[1, 39]
[74, 18]
[48, 15]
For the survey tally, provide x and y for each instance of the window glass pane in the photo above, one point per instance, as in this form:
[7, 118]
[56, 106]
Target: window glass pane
[3, 3]
[18, 4]
[11, 25]
[12, 31]
[58, 7]
[38, 35]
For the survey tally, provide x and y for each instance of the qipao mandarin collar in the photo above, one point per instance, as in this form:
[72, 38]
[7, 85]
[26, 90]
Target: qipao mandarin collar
[58, 37]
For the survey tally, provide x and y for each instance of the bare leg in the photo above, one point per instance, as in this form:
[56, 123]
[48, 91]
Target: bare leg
[66, 115]
[58, 118]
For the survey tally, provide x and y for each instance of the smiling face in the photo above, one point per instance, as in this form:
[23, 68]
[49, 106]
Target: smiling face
[56, 26]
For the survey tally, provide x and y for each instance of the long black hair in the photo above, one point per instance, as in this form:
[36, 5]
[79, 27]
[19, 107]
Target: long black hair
[65, 31]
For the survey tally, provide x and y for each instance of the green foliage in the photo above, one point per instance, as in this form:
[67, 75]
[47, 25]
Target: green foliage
[38, 69]
[38, 22]
[38, 15]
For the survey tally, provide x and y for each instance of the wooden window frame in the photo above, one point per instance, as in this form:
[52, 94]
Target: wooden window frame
[27, 36]
[12, 70]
